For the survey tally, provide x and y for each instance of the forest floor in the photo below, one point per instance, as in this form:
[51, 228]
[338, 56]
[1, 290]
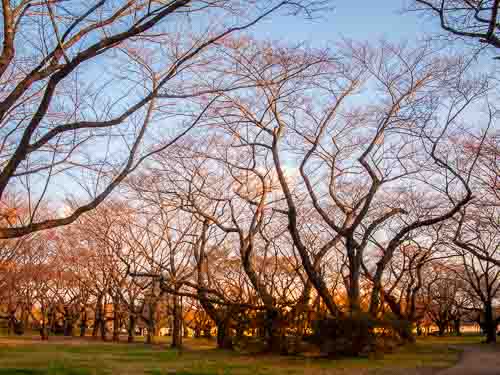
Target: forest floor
[75, 356]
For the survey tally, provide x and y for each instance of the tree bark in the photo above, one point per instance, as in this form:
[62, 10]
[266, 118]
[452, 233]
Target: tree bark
[97, 317]
[116, 320]
[184, 329]
[103, 329]
[44, 332]
[131, 328]
[354, 293]
[441, 328]
[456, 326]
[68, 322]
[223, 335]
[176, 324]
[490, 323]
[83, 323]
[151, 322]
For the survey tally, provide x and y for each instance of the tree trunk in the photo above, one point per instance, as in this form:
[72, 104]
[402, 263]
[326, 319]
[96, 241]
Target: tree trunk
[97, 317]
[25, 319]
[116, 321]
[102, 326]
[185, 331]
[44, 332]
[151, 322]
[176, 324]
[83, 323]
[354, 293]
[52, 320]
[406, 334]
[131, 328]
[442, 328]
[102, 329]
[271, 333]
[197, 330]
[68, 322]
[456, 326]
[490, 323]
[207, 333]
[224, 340]
[10, 325]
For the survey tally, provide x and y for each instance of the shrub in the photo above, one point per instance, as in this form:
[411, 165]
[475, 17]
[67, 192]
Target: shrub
[358, 335]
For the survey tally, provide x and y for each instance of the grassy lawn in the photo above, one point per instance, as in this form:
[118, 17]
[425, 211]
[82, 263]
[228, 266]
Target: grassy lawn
[452, 340]
[25, 356]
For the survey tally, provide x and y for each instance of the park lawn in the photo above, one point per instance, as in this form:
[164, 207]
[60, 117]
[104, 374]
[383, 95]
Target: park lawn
[466, 339]
[85, 357]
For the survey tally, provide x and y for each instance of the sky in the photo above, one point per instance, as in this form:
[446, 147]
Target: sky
[352, 19]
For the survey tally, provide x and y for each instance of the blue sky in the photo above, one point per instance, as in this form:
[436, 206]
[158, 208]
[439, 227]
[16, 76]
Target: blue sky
[361, 20]
[354, 19]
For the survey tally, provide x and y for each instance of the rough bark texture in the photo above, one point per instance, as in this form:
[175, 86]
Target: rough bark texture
[176, 324]
[490, 323]
[116, 320]
[132, 321]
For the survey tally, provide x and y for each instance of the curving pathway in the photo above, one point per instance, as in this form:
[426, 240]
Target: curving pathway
[477, 360]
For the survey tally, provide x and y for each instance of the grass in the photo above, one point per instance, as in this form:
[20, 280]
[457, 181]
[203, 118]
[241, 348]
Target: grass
[85, 357]
[452, 340]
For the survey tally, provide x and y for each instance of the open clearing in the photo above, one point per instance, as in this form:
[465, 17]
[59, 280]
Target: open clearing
[73, 356]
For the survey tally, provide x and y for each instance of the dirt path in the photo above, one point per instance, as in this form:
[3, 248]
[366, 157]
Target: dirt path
[477, 360]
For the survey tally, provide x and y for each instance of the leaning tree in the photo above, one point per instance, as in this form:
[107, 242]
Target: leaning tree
[87, 90]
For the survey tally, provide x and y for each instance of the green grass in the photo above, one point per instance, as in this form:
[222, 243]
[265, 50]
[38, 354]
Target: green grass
[78, 357]
[452, 340]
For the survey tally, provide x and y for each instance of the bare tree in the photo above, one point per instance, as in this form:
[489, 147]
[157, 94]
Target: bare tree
[477, 230]
[475, 21]
[483, 279]
[83, 87]
[351, 158]
[447, 297]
